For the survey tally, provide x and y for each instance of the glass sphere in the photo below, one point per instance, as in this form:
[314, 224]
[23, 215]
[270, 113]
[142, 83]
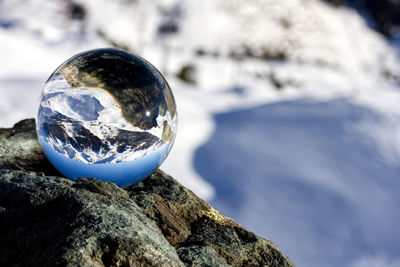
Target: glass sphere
[106, 114]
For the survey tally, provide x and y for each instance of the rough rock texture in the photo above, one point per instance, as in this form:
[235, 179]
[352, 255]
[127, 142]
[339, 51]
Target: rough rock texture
[48, 220]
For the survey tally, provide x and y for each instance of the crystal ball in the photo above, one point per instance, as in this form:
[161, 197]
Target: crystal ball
[106, 114]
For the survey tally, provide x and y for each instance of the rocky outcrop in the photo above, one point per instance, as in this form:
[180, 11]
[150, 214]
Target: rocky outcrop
[48, 220]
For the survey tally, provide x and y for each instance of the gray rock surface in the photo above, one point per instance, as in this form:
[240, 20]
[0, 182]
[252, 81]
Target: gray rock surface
[48, 220]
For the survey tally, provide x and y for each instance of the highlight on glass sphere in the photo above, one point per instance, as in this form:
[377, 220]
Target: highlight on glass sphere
[106, 114]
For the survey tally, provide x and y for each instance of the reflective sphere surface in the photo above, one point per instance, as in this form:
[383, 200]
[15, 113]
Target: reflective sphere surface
[106, 114]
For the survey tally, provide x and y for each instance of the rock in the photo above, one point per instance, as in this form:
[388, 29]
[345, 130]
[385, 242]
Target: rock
[385, 14]
[19, 149]
[48, 220]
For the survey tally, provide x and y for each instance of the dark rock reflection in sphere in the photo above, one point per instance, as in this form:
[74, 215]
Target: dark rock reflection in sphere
[107, 114]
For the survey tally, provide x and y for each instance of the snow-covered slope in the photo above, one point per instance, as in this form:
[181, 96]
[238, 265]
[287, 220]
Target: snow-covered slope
[306, 65]
[306, 31]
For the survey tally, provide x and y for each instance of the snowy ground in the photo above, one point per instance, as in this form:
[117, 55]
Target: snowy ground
[308, 172]
[304, 154]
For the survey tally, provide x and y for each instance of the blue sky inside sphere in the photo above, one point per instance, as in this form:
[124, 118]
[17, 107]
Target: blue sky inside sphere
[121, 173]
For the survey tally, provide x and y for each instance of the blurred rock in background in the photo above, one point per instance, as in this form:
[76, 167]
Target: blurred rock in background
[384, 14]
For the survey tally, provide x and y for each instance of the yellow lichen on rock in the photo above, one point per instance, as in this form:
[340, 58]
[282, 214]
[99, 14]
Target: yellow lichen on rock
[214, 215]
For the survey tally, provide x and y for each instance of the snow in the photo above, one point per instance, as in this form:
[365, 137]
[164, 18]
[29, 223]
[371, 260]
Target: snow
[376, 261]
[303, 172]
[306, 31]
[303, 151]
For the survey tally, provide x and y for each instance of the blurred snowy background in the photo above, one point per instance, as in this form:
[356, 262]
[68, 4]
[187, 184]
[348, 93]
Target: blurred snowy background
[289, 111]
